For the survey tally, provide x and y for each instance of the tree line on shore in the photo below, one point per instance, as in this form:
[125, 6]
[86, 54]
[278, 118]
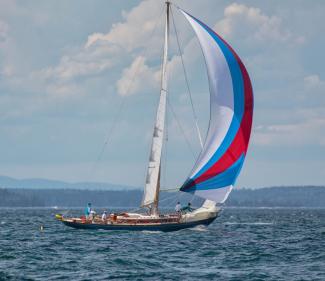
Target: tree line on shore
[296, 196]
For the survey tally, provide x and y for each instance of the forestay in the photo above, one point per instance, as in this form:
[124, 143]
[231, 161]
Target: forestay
[231, 111]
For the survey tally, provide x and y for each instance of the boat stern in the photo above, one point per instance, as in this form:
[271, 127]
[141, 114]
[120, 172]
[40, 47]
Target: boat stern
[206, 212]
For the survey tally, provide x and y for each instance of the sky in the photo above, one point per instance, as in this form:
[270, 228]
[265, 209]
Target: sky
[79, 87]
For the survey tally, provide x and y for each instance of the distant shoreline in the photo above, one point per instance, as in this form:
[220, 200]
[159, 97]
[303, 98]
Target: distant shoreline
[270, 197]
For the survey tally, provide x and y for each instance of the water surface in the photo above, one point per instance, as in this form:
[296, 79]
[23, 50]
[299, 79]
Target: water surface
[242, 244]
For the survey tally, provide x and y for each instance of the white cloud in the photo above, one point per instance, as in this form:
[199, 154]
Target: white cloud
[77, 66]
[307, 132]
[139, 77]
[313, 81]
[252, 24]
[191, 55]
[111, 51]
[70, 76]
[62, 91]
[134, 31]
[129, 37]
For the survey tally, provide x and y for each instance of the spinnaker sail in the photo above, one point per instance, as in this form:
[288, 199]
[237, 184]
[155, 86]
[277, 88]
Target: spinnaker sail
[231, 113]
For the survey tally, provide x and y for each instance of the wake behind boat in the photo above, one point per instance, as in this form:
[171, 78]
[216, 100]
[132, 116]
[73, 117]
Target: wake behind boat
[222, 154]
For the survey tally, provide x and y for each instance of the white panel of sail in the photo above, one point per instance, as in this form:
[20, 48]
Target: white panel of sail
[152, 179]
[219, 195]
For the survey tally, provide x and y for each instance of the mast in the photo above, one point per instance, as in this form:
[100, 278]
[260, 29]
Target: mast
[152, 186]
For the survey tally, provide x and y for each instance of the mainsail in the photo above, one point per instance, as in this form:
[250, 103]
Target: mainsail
[151, 190]
[231, 112]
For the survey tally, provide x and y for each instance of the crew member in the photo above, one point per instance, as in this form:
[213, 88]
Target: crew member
[178, 207]
[92, 215]
[188, 208]
[88, 210]
[104, 216]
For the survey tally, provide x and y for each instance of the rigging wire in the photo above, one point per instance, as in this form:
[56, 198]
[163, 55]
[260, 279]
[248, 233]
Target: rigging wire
[123, 102]
[187, 82]
[170, 189]
[162, 200]
[181, 128]
[172, 202]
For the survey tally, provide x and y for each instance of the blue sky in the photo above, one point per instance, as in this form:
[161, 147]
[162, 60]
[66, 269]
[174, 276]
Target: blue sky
[66, 67]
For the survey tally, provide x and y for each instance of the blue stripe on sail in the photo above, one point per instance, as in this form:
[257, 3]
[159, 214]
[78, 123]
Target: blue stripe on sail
[238, 88]
[226, 178]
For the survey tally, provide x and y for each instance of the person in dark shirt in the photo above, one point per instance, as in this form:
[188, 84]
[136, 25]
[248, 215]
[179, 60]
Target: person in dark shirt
[187, 208]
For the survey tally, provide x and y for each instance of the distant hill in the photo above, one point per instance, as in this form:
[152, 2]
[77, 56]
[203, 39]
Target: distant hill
[8, 182]
[299, 196]
[278, 196]
[9, 198]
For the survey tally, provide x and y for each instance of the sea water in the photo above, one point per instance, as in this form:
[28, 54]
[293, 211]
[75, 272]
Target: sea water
[242, 244]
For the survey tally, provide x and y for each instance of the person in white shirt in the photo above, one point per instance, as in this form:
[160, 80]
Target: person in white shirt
[178, 207]
[92, 215]
[104, 216]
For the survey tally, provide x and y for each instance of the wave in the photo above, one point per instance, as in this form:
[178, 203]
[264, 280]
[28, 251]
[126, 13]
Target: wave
[199, 228]
[248, 223]
[151, 231]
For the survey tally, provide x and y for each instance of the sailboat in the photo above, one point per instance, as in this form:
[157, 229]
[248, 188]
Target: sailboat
[223, 152]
